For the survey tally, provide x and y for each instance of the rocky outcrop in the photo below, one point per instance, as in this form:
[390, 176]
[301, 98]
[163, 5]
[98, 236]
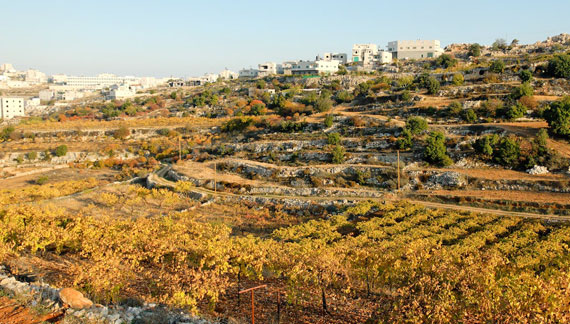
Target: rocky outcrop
[83, 309]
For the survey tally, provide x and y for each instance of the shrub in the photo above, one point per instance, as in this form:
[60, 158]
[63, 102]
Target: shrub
[474, 50]
[338, 154]
[323, 104]
[432, 85]
[329, 120]
[525, 75]
[237, 124]
[333, 138]
[559, 66]
[446, 61]
[458, 79]
[31, 156]
[455, 108]
[121, 133]
[524, 89]
[406, 96]
[344, 96]
[557, 115]
[498, 66]
[41, 180]
[435, 151]
[416, 125]
[469, 116]
[61, 150]
[7, 132]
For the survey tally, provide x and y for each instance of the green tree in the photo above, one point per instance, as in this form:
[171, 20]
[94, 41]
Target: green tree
[515, 111]
[499, 44]
[432, 85]
[507, 153]
[416, 125]
[557, 115]
[559, 66]
[338, 154]
[474, 50]
[524, 90]
[260, 84]
[484, 146]
[455, 108]
[435, 151]
[446, 61]
[61, 150]
[458, 79]
[525, 75]
[498, 66]
[469, 116]
[405, 141]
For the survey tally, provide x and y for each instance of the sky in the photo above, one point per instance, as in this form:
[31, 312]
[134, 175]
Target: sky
[184, 38]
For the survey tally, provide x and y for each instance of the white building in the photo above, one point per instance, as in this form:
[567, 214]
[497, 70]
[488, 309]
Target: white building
[315, 67]
[7, 68]
[93, 83]
[32, 103]
[248, 73]
[122, 91]
[341, 57]
[228, 75]
[383, 57]
[60, 94]
[415, 49]
[11, 107]
[35, 77]
[267, 68]
[364, 53]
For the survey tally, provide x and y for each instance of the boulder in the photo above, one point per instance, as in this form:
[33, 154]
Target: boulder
[74, 298]
[537, 169]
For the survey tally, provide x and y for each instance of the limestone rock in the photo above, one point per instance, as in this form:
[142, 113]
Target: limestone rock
[537, 169]
[74, 298]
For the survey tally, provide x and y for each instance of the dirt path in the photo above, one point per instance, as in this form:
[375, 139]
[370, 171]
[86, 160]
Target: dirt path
[388, 197]
[12, 312]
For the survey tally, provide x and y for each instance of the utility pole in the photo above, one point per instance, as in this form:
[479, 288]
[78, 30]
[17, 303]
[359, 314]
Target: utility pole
[398, 151]
[179, 150]
[252, 300]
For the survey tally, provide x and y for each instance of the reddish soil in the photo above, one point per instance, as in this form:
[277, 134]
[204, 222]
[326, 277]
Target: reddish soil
[12, 312]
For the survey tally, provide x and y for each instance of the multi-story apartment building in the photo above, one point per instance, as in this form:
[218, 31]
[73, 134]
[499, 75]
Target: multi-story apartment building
[364, 53]
[341, 57]
[11, 107]
[248, 73]
[315, 67]
[93, 83]
[415, 49]
[228, 75]
[267, 68]
[383, 57]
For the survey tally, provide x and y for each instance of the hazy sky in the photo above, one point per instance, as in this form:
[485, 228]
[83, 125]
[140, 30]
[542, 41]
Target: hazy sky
[190, 38]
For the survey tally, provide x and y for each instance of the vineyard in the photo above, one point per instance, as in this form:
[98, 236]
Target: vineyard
[378, 262]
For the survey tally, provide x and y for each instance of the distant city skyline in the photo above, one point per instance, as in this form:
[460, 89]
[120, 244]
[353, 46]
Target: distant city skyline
[190, 38]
